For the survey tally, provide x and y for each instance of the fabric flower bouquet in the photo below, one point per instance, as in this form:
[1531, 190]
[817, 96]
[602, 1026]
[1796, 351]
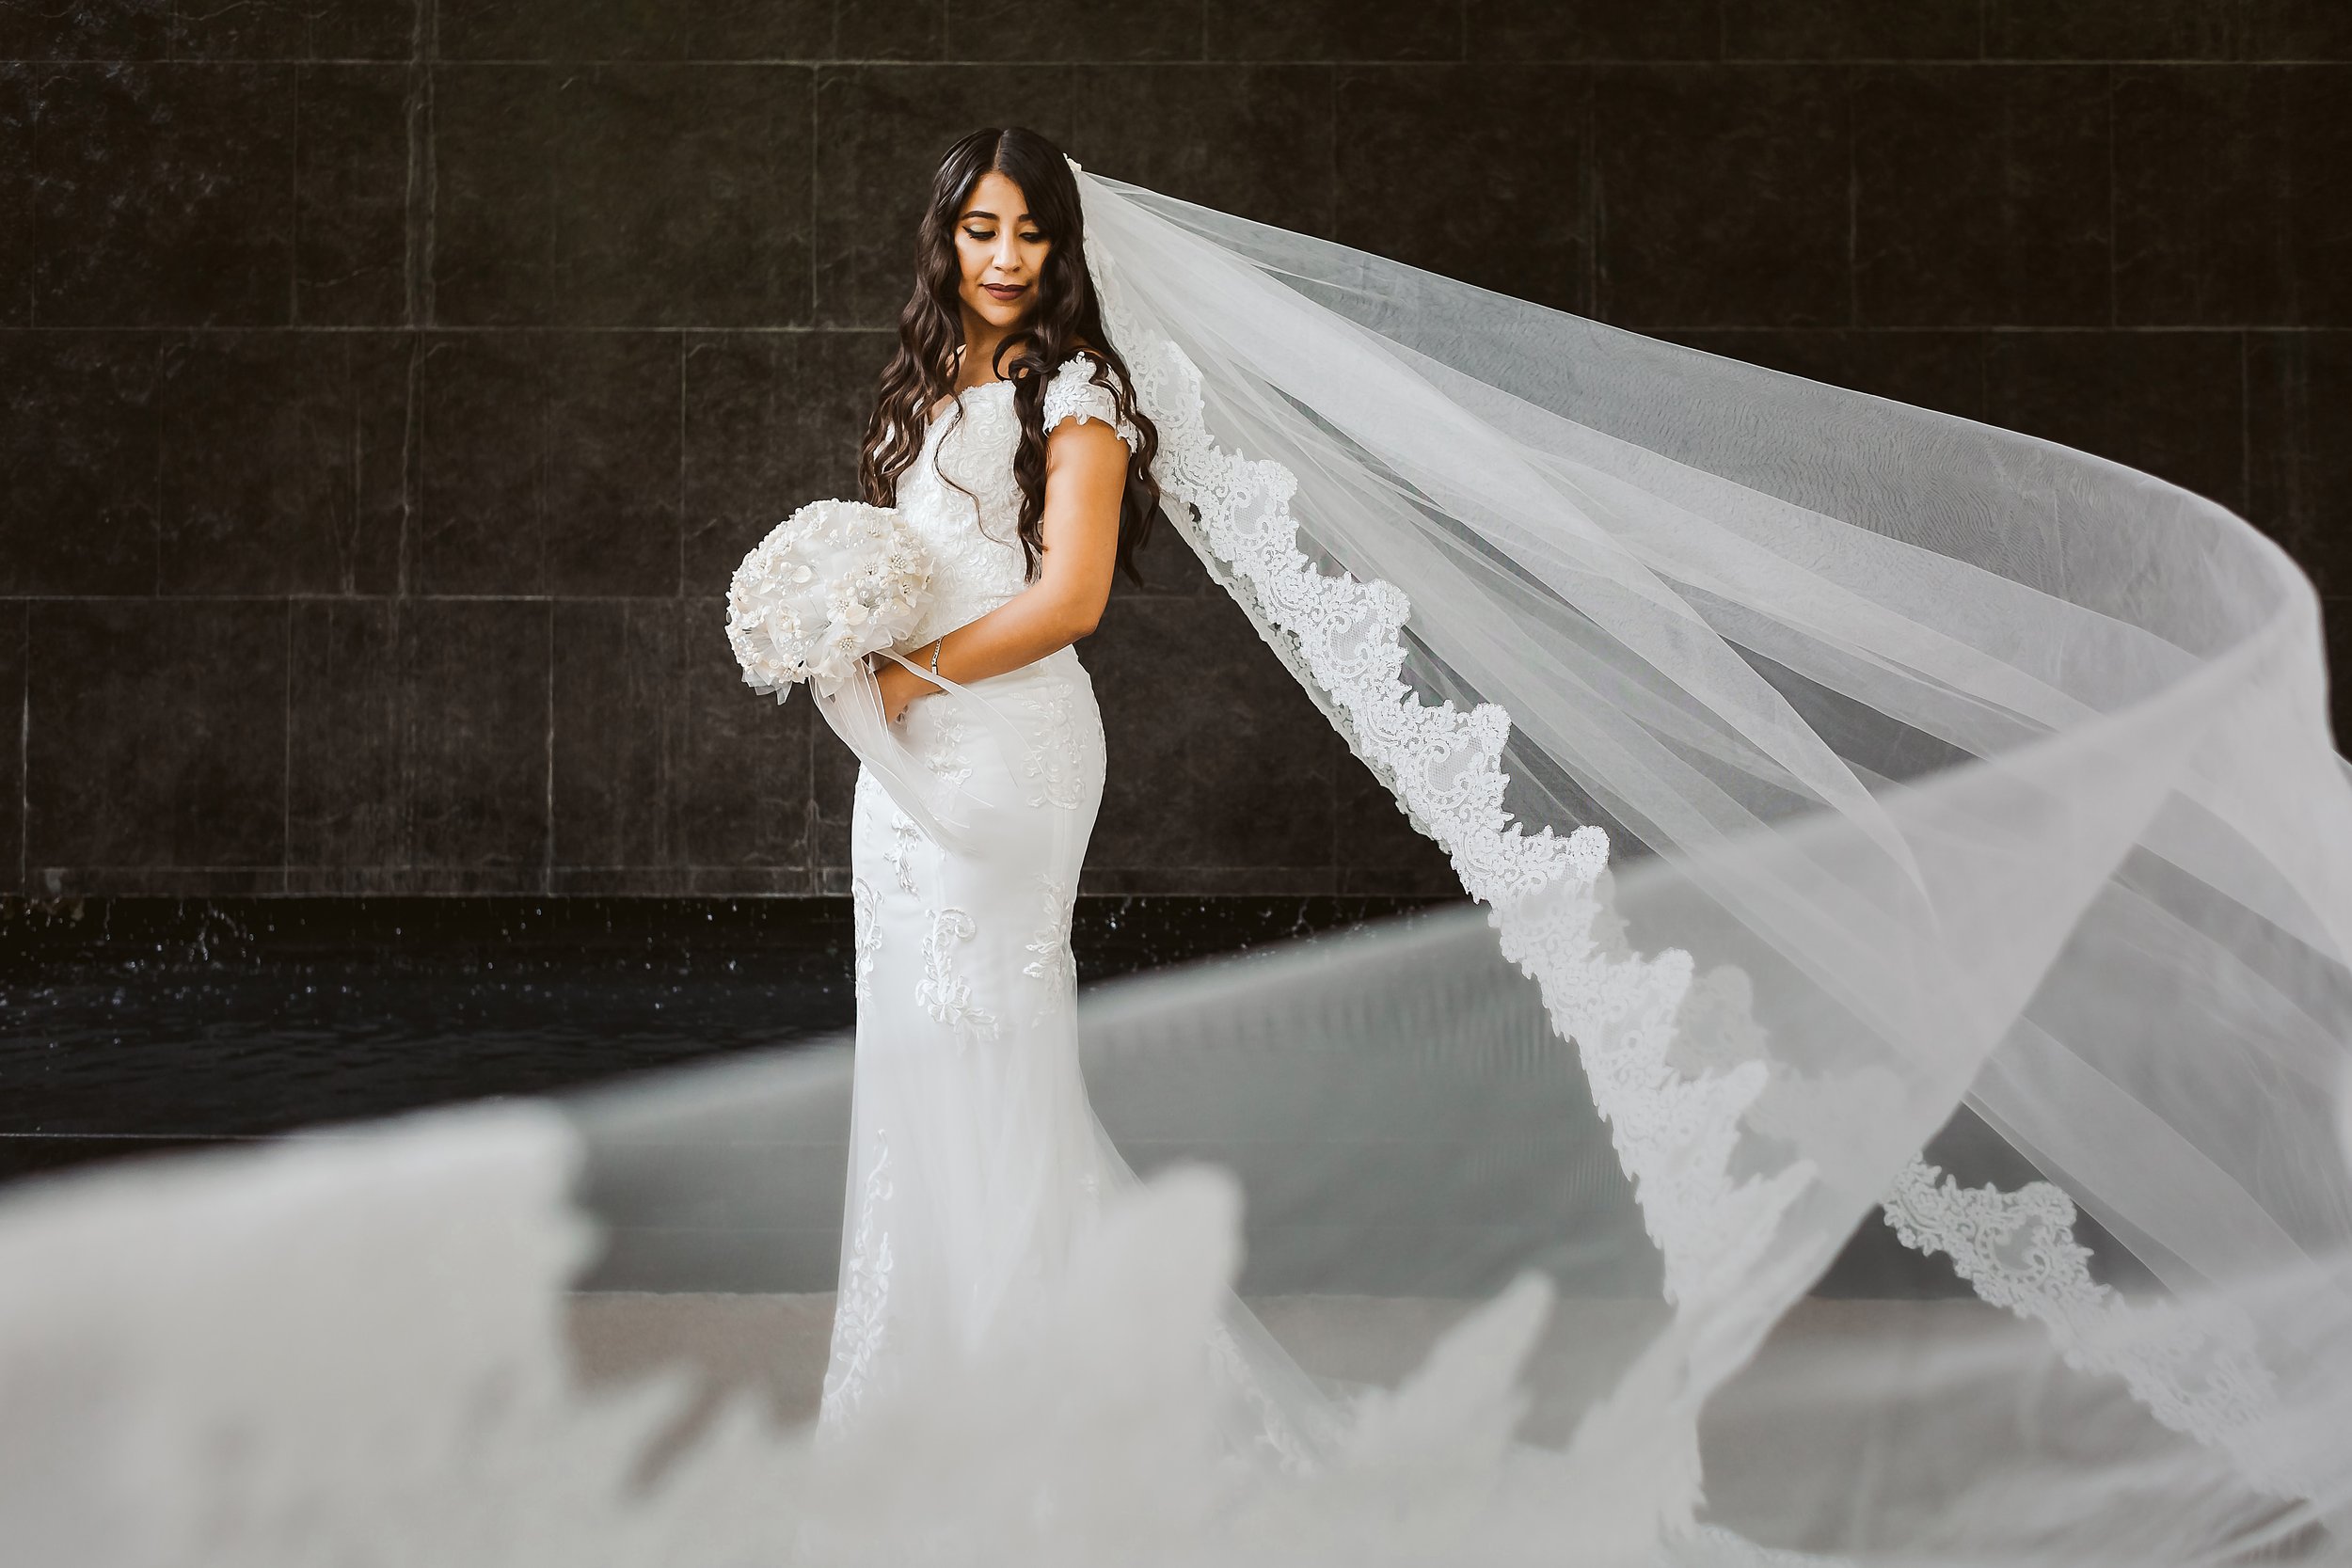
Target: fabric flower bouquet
[832, 583]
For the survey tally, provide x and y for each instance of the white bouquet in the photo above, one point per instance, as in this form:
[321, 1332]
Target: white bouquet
[831, 583]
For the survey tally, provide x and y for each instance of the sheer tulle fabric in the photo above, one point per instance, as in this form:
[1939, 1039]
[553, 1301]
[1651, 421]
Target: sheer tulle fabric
[1941, 762]
[1825, 765]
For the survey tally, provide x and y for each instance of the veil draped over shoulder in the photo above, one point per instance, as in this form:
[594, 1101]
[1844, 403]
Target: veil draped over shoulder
[1875, 818]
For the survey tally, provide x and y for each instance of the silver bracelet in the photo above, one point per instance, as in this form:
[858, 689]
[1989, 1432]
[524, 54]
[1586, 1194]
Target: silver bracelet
[936, 645]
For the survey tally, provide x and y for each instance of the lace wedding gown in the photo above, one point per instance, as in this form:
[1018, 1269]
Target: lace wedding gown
[975, 1161]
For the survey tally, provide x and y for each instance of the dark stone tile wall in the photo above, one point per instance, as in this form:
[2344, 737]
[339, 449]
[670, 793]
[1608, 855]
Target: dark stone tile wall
[387, 386]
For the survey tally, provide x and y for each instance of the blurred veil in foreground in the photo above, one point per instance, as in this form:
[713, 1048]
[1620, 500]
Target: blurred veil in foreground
[1832, 773]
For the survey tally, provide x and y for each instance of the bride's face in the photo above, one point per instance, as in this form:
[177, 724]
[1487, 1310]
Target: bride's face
[1000, 251]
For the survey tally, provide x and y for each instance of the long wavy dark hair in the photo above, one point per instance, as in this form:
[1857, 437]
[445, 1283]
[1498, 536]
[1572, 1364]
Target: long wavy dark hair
[1064, 317]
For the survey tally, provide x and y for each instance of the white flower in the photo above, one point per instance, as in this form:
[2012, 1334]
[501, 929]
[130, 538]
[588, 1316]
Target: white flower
[830, 584]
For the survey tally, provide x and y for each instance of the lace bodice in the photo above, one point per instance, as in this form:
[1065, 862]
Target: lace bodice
[976, 561]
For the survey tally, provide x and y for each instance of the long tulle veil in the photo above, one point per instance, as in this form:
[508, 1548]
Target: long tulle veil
[1829, 763]
[1858, 801]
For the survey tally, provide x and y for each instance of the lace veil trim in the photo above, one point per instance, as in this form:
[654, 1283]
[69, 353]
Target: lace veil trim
[1674, 1131]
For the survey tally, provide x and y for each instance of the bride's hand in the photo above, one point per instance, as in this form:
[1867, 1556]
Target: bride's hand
[899, 686]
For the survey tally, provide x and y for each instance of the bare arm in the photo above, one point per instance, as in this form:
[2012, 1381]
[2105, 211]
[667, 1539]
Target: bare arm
[1086, 475]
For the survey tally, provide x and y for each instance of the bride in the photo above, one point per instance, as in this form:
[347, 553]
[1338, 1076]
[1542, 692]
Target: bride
[1007, 437]
[1000, 439]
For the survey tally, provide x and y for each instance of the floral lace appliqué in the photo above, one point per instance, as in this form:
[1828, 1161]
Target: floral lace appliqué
[943, 994]
[860, 1319]
[946, 756]
[1052, 764]
[1074, 394]
[1054, 966]
[898, 853]
[867, 929]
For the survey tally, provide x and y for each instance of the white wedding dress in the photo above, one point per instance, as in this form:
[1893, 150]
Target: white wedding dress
[977, 1163]
[973, 1153]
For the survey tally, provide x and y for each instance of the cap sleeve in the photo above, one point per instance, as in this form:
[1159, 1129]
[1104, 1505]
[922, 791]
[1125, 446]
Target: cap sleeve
[1074, 394]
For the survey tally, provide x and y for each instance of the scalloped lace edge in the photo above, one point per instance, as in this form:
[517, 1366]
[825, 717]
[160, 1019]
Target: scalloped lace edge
[1342, 634]
[2196, 1372]
[1674, 1132]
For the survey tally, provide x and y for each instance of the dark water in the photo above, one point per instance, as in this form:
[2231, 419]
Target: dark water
[139, 1025]
[131, 1025]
